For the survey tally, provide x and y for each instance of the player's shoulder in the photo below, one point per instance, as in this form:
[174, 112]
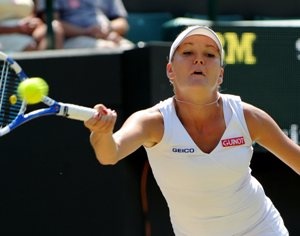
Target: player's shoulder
[150, 122]
[252, 110]
[150, 114]
[255, 116]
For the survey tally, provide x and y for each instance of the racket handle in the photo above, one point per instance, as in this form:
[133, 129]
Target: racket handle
[76, 112]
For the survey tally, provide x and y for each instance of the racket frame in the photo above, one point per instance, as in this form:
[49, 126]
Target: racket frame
[67, 110]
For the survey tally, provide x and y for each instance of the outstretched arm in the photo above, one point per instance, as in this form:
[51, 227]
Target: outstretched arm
[141, 128]
[265, 131]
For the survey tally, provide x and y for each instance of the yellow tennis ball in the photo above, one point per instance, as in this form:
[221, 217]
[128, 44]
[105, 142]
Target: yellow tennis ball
[33, 90]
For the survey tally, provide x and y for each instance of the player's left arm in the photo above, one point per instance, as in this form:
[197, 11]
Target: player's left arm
[267, 133]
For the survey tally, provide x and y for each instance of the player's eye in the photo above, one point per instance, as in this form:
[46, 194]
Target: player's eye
[187, 53]
[212, 55]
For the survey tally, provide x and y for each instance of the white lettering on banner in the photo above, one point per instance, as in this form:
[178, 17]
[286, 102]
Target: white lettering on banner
[233, 142]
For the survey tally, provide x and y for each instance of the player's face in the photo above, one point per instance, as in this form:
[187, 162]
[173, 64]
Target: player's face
[196, 64]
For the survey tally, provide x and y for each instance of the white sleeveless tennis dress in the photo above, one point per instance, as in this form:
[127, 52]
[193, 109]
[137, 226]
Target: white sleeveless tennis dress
[212, 194]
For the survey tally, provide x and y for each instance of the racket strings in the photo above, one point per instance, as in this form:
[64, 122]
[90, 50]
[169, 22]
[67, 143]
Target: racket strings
[10, 104]
[4, 71]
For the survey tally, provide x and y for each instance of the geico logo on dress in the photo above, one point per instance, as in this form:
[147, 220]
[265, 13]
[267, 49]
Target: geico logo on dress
[183, 150]
[233, 142]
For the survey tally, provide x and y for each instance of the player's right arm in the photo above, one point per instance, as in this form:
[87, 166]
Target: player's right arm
[143, 128]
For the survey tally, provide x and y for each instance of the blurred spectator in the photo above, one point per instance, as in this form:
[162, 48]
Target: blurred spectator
[91, 23]
[20, 29]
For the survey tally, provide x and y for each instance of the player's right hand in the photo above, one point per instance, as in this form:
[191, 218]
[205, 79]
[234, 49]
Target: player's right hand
[104, 120]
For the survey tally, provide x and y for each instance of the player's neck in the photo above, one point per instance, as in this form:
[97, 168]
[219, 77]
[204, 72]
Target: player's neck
[198, 105]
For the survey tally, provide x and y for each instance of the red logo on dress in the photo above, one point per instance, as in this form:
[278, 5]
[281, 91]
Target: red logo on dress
[233, 142]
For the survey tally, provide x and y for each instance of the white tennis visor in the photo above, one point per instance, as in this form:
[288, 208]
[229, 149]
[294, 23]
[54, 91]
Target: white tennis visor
[196, 30]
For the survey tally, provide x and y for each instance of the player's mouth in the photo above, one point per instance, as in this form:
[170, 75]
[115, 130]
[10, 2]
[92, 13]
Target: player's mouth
[198, 73]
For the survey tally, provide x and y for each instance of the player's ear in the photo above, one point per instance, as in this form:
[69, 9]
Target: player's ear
[220, 79]
[170, 72]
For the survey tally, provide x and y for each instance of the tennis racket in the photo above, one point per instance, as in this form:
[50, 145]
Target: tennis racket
[13, 108]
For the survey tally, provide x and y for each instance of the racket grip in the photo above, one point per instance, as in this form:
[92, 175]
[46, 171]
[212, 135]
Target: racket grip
[76, 112]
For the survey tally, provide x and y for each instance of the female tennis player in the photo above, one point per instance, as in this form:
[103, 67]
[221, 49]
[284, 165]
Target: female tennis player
[199, 144]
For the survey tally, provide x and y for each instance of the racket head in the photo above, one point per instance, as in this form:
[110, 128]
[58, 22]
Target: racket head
[11, 105]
